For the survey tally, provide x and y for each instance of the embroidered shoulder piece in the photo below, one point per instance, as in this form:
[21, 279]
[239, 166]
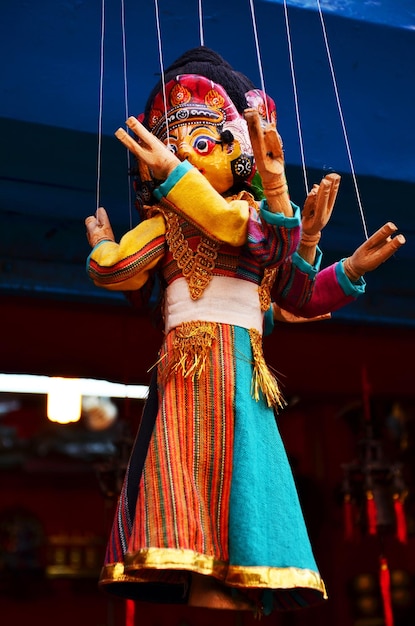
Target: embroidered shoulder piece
[264, 290]
[197, 267]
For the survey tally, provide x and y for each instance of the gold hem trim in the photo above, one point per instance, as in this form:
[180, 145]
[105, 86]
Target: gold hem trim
[238, 576]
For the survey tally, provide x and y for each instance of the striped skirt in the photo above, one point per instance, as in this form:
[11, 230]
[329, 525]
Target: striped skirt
[212, 492]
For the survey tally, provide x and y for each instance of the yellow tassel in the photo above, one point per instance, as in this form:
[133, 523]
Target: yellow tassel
[191, 348]
[262, 379]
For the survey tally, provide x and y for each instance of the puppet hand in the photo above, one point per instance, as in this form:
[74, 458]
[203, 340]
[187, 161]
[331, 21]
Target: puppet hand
[148, 149]
[98, 228]
[269, 159]
[268, 152]
[318, 208]
[281, 315]
[373, 252]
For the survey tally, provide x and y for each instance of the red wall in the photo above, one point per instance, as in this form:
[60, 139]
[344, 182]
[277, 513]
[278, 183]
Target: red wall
[321, 366]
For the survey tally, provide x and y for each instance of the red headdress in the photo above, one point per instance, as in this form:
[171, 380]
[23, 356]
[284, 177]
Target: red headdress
[194, 99]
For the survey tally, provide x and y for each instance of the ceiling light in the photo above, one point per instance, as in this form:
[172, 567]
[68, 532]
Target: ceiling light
[64, 400]
[29, 383]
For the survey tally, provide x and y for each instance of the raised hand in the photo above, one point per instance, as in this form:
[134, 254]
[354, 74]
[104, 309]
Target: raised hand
[98, 228]
[148, 149]
[373, 252]
[319, 205]
[269, 160]
[316, 212]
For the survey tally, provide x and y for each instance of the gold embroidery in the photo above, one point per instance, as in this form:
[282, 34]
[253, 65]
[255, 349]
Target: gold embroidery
[264, 290]
[262, 379]
[191, 347]
[197, 267]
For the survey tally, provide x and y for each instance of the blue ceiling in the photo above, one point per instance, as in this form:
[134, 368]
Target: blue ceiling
[49, 119]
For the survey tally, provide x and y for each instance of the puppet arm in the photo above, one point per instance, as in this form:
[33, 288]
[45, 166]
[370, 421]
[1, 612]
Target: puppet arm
[309, 294]
[127, 265]
[269, 159]
[305, 291]
[275, 313]
[185, 190]
[273, 237]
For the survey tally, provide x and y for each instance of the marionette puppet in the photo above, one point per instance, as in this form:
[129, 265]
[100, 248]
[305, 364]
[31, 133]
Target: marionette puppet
[209, 514]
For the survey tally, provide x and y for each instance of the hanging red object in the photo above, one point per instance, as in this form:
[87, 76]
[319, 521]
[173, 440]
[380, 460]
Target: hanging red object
[129, 612]
[385, 588]
[348, 517]
[371, 513]
[401, 529]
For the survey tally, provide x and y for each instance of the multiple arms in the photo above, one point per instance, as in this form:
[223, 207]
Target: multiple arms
[228, 221]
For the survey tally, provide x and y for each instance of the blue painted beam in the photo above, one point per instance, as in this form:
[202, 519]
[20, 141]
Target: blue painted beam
[49, 97]
[54, 77]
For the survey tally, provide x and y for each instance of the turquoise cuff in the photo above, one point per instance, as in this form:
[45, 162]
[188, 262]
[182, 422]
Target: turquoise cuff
[179, 171]
[88, 260]
[279, 219]
[350, 288]
[306, 267]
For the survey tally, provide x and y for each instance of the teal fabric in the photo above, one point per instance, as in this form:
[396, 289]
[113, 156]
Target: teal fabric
[279, 219]
[93, 249]
[268, 321]
[179, 171]
[350, 288]
[266, 523]
[305, 267]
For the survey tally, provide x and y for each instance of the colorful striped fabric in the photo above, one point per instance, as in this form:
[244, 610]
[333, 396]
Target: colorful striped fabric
[216, 495]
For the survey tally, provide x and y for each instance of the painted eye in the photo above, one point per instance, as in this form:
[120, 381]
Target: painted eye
[204, 145]
[172, 147]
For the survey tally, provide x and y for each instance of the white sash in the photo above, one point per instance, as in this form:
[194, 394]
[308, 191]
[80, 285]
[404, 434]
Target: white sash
[226, 300]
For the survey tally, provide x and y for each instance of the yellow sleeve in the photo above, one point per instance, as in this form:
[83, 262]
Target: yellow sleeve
[194, 198]
[125, 266]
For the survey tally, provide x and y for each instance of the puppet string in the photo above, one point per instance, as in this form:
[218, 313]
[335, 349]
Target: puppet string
[339, 106]
[124, 54]
[297, 110]
[258, 54]
[202, 39]
[156, 8]
[100, 105]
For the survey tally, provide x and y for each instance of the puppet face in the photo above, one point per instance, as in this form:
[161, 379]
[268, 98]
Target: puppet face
[202, 146]
[192, 117]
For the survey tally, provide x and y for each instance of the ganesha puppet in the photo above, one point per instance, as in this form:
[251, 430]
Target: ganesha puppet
[209, 514]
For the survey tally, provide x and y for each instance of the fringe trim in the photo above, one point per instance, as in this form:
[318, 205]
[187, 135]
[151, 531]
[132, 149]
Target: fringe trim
[262, 378]
[192, 345]
[191, 348]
